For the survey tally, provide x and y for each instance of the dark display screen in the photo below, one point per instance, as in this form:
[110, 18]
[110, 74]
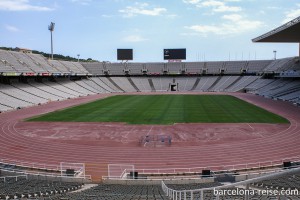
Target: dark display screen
[125, 54]
[174, 54]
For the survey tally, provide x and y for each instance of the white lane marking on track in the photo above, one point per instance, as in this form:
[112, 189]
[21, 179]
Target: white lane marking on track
[150, 130]
[250, 126]
[125, 137]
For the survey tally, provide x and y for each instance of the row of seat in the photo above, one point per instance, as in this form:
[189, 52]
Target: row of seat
[282, 89]
[20, 187]
[19, 62]
[24, 188]
[29, 64]
[115, 192]
[229, 67]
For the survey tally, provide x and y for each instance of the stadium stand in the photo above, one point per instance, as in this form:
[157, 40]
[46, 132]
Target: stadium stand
[279, 65]
[26, 60]
[224, 82]
[142, 83]
[135, 68]
[94, 85]
[291, 181]
[118, 192]
[41, 61]
[47, 86]
[61, 86]
[291, 96]
[80, 87]
[280, 185]
[257, 66]
[74, 67]
[185, 84]
[22, 62]
[241, 83]
[110, 83]
[155, 68]
[272, 85]
[287, 90]
[33, 187]
[174, 68]
[87, 87]
[235, 67]
[21, 187]
[19, 95]
[205, 83]
[59, 66]
[100, 83]
[115, 68]
[12, 64]
[194, 67]
[11, 101]
[214, 67]
[95, 68]
[124, 83]
[80, 68]
[161, 84]
[65, 80]
[259, 83]
[12, 61]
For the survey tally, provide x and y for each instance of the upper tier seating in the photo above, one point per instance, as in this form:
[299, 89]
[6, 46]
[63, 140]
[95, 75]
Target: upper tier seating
[10, 63]
[95, 68]
[257, 65]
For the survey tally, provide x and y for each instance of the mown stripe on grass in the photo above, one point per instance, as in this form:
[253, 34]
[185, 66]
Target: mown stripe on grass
[165, 109]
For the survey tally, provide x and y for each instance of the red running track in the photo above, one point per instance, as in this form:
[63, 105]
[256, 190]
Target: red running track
[193, 145]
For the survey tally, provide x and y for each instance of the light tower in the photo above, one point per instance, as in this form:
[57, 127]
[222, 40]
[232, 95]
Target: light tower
[51, 29]
[274, 54]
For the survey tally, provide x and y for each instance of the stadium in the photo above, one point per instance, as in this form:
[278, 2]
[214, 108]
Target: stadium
[159, 130]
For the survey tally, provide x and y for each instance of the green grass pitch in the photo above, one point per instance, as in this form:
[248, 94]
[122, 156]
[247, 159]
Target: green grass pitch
[165, 109]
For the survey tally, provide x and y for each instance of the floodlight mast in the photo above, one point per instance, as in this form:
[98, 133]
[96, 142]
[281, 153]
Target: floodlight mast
[51, 29]
[274, 54]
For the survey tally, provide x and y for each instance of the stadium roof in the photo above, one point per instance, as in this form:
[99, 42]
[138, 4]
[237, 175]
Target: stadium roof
[289, 32]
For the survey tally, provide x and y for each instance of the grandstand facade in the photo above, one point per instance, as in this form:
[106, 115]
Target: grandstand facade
[31, 79]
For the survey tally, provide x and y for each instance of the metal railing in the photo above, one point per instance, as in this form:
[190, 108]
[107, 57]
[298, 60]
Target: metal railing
[190, 194]
[38, 169]
[186, 172]
[240, 167]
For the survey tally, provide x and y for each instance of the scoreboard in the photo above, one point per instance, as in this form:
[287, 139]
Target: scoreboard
[174, 54]
[125, 54]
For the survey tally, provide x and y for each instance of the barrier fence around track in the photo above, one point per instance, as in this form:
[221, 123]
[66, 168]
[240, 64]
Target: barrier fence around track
[118, 171]
[39, 174]
[77, 170]
[14, 177]
[200, 194]
[31, 165]
[72, 169]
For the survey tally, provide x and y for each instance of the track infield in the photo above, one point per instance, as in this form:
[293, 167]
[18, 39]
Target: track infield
[165, 109]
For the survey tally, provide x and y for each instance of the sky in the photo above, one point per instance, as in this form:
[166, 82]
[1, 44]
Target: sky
[210, 30]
